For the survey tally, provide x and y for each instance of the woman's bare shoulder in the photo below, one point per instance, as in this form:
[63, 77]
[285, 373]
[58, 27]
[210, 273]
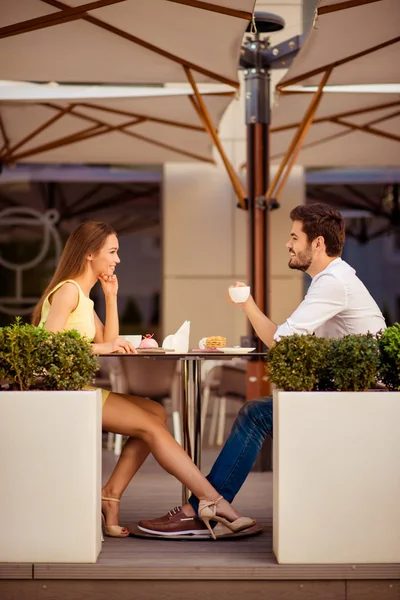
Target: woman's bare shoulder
[67, 293]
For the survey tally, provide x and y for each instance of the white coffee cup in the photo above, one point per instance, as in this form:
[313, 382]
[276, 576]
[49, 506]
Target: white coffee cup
[239, 293]
[133, 339]
[202, 343]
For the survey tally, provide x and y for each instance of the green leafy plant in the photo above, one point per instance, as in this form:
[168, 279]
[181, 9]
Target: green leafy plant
[32, 358]
[389, 346]
[306, 362]
[353, 362]
[296, 362]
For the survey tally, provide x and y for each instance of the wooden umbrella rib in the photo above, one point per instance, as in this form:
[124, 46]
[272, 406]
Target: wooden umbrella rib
[169, 147]
[340, 134]
[64, 141]
[124, 113]
[37, 131]
[98, 129]
[230, 12]
[132, 38]
[316, 143]
[66, 15]
[368, 129]
[337, 63]
[76, 113]
[296, 150]
[345, 5]
[298, 138]
[349, 113]
[385, 118]
[204, 115]
[161, 52]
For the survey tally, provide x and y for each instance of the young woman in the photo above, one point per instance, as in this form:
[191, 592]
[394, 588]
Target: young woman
[91, 255]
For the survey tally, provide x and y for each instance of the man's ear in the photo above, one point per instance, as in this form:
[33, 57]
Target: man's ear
[320, 242]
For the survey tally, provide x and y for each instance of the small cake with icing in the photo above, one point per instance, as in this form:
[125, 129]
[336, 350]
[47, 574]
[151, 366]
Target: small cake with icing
[148, 342]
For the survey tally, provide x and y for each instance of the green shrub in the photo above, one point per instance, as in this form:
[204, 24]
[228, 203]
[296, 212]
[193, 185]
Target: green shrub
[306, 362]
[389, 346]
[32, 358]
[354, 362]
[296, 362]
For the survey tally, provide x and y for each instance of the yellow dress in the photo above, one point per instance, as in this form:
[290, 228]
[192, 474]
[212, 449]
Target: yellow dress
[81, 319]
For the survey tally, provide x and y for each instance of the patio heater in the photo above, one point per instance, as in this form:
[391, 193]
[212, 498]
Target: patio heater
[257, 59]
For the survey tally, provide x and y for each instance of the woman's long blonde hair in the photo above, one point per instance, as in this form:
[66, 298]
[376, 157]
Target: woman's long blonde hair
[86, 239]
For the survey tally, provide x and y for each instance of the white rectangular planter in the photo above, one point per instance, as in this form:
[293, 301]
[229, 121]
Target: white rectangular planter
[50, 474]
[336, 477]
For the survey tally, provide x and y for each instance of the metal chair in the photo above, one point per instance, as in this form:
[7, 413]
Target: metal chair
[226, 380]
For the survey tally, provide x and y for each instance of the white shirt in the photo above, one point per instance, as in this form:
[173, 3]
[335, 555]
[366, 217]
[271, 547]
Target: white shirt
[337, 304]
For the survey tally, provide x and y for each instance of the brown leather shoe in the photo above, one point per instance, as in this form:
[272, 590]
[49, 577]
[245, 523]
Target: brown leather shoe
[175, 522]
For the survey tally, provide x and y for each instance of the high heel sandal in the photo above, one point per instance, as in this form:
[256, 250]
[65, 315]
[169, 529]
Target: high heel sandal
[113, 530]
[208, 512]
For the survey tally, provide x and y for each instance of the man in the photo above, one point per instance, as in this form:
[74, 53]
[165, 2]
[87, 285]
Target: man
[337, 303]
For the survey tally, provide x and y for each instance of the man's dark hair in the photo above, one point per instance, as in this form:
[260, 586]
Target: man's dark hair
[320, 219]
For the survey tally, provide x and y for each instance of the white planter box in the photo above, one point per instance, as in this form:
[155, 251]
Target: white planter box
[336, 477]
[50, 474]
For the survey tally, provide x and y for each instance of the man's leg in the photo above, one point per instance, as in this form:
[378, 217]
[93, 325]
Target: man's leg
[251, 427]
[234, 463]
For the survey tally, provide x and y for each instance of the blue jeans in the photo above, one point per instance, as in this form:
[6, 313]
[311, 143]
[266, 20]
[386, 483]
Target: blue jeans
[234, 463]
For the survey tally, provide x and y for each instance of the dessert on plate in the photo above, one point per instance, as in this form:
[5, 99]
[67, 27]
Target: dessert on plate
[148, 342]
[215, 341]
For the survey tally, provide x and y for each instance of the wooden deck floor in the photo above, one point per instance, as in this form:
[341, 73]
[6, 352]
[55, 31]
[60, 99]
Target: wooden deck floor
[194, 570]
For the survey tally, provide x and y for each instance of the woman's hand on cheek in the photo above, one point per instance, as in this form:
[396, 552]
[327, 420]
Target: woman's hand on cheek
[109, 283]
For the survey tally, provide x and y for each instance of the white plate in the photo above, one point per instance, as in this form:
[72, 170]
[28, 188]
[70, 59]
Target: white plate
[237, 350]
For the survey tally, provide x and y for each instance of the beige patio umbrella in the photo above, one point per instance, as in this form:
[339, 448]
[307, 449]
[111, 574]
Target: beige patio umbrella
[132, 130]
[122, 41]
[350, 42]
[127, 41]
[357, 41]
[349, 129]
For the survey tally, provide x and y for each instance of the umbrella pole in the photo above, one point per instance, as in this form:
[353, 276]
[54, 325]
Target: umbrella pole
[257, 98]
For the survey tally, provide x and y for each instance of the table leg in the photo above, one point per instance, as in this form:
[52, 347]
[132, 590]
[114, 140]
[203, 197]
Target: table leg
[191, 413]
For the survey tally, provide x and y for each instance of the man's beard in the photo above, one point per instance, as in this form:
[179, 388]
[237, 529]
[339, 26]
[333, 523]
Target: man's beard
[301, 261]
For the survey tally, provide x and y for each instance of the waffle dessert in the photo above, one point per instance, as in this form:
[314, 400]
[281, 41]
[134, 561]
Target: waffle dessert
[215, 341]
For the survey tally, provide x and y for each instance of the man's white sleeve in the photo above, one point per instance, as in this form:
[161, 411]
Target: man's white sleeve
[325, 299]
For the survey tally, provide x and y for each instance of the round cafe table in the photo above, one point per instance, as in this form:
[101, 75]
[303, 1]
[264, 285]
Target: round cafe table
[190, 391]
